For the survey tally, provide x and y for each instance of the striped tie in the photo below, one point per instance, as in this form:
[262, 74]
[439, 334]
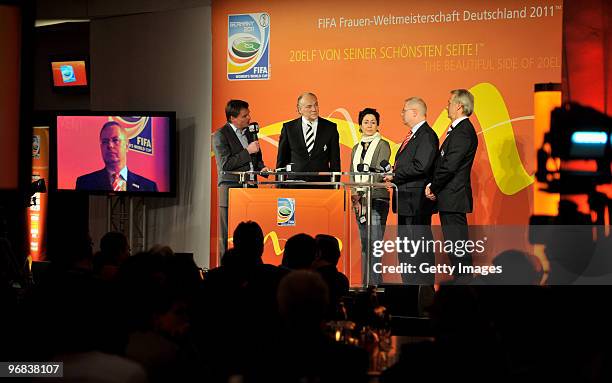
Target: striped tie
[408, 136]
[309, 138]
[119, 183]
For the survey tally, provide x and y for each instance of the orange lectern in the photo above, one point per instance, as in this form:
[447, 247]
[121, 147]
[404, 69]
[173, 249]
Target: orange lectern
[284, 208]
[282, 213]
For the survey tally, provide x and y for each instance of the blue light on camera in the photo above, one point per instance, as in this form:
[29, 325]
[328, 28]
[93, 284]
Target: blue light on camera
[589, 145]
[597, 138]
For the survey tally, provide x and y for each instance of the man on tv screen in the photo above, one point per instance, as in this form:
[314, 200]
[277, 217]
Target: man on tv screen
[115, 176]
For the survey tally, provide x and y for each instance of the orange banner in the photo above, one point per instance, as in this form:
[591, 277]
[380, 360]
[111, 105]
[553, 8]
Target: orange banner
[37, 212]
[357, 54]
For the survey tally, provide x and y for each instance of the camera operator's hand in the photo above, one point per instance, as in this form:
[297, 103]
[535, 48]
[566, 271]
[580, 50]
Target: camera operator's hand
[253, 147]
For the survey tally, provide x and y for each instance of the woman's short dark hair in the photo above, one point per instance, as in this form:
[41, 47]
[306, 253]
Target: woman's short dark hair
[233, 108]
[367, 111]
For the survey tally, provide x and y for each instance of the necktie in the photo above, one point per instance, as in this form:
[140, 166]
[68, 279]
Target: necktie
[309, 138]
[119, 183]
[408, 136]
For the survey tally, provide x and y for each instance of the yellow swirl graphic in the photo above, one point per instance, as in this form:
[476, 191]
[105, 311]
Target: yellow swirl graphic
[276, 242]
[490, 110]
[492, 114]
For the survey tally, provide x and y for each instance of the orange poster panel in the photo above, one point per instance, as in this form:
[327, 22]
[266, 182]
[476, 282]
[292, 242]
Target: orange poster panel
[37, 213]
[356, 54]
[282, 213]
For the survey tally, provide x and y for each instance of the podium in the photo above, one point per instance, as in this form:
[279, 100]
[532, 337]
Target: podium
[285, 208]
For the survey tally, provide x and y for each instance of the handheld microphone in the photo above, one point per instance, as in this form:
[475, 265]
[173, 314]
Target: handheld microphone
[254, 129]
[385, 166]
[363, 168]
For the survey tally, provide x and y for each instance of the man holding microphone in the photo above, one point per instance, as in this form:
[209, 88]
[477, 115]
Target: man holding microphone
[235, 150]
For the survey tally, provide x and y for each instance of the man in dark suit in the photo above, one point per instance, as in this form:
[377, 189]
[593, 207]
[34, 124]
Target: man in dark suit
[451, 185]
[235, 150]
[310, 143]
[414, 164]
[115, 176]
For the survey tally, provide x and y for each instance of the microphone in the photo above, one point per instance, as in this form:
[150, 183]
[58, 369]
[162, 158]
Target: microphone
[253, 130]
[385, 166]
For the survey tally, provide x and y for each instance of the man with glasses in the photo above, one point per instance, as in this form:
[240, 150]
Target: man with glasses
[414, 164]
[310, 143]
[115, 176]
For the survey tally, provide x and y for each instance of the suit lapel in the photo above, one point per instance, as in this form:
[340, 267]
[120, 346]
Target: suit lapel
[412, 139]
[231, 136]
[105, 183]
[445, 144]
[319, 137]
[129, 182]
[297, 127]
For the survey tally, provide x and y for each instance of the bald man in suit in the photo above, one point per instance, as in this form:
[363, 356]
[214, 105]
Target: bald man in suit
[309, 142]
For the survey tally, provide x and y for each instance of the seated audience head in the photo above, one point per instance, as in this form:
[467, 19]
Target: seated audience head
[162, 250]
[71, 248]
[303, 299]
[114, 247]
[327, 249]
[249, 241]
[299, 252]
[518, 268]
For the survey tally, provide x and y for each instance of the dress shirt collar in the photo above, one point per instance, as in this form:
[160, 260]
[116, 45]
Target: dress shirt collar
[123, 173]
[312, 123]
[236, 130]
[417, 126]
[457, 121]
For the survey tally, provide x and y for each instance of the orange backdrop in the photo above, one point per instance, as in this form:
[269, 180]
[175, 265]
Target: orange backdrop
[345, 53]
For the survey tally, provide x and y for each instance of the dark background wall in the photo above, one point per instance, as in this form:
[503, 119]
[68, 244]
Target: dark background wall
[64, 41]
[143, 55]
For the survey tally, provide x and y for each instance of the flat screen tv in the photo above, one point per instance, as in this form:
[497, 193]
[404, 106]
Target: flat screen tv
[69, 74]
[115, 152]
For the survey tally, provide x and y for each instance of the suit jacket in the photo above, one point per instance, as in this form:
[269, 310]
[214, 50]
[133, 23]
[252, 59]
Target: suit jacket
[325, 156]
[451, 182]
[231, 156]
[100, 180]
[382, 152]
[414, 167]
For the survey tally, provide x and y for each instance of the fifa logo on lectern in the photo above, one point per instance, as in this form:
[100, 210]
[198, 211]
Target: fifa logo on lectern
[285, 212]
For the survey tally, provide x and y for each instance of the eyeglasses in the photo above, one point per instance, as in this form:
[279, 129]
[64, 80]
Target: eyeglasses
[405, 110]
[114, 141]
[311, 106]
